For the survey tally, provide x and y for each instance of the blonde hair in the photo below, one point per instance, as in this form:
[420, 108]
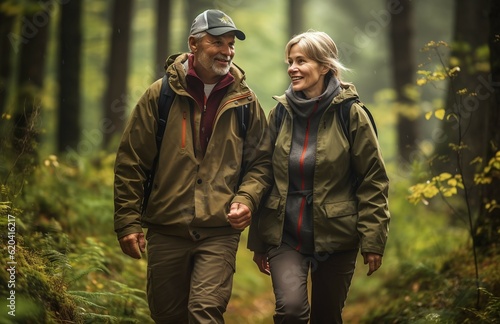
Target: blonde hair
[320, 47]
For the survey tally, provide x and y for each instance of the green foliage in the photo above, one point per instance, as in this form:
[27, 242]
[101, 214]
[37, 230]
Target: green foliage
[449, 289]
[426, 294]
[61, 273]
[446, 184]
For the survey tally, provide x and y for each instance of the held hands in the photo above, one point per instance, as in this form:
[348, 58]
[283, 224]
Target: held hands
[133, 245]
[373, 260]
[239, 216]
[261, 260]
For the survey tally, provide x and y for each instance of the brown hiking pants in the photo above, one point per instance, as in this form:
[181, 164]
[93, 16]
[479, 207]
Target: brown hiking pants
[190, 281]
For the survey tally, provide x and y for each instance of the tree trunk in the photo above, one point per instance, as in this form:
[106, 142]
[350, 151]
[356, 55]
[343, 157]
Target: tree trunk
[403, 74]
[468, 130]
[164, 17]
[6, 50]
[296, 17]
[196, 7]
[69, 76]
[32, 48]
[488, 224]
[118, 68]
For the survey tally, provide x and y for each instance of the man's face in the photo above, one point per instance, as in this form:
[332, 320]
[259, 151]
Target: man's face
[213, 56]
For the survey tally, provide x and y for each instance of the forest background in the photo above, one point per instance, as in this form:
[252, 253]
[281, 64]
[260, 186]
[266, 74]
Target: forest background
[72, 70]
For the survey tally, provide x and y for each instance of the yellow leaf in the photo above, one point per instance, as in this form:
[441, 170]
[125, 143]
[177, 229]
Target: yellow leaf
[421, 81]
[444, 176]
[431, 192]
[428, 115]
[452, 182]
[440, 114]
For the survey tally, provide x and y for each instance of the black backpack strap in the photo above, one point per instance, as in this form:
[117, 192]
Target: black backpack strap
[279, 116]
[243, 113]
[344, 115]
[372, 120]
[164, 103]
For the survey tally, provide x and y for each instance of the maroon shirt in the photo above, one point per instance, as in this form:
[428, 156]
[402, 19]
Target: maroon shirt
[207, 106]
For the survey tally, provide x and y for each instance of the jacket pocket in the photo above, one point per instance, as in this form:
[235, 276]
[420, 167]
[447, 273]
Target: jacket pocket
[337, 229]
[342, 208]
[270, 218]
[273, 202]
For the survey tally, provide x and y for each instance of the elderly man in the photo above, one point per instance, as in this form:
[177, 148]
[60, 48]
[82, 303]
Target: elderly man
[209, 176]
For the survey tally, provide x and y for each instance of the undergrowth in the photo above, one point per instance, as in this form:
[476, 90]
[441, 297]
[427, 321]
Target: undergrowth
[59, 267]
[425, 293]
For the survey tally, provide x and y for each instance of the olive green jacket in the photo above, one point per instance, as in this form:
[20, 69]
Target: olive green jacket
[191, 194]
[348, 213]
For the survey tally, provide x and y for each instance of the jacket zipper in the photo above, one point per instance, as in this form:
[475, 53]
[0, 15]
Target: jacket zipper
[302, 177]
[183, 135]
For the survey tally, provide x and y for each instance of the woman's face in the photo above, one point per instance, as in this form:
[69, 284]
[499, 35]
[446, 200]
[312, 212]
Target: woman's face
[306, 74]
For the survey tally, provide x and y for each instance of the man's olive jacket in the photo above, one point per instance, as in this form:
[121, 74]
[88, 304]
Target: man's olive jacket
[191, 193]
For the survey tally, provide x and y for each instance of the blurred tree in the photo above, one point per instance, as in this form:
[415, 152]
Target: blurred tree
[295, 17]
[163, 16]
[401, 34]
[194, 8]
[488, 225]
[469, 96]
[31, 37]
[7, 20]
[70, 40]
[118, 68]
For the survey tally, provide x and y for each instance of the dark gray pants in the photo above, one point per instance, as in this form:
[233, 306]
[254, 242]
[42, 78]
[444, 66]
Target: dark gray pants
[331, 276]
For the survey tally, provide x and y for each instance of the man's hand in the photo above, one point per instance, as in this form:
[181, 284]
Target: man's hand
[373, 260]
[239, 216]
[261, 260]
[133, 245]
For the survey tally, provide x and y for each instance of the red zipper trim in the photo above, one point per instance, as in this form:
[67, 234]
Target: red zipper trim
[183, 135]
[302, 178]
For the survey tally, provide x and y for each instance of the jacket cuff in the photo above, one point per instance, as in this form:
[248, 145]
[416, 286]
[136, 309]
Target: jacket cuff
[243, 200]
[128, 230]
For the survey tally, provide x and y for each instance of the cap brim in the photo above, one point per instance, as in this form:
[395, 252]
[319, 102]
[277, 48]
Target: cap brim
[222, 30]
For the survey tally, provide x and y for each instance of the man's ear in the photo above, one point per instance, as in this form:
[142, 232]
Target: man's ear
[193, 44]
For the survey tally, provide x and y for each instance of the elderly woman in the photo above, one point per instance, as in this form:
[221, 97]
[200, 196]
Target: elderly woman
[330, 193]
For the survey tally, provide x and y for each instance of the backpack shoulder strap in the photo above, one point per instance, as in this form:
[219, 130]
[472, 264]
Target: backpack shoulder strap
[164, 103]
[243, 113]
[344, 115]
[279, 116]
[372, 120]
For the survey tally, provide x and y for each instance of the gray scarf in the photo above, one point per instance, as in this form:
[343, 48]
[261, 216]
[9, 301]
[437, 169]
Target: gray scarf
[303, 107]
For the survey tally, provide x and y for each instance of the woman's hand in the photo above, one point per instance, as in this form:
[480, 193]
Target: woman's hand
[373, 260]
[261, 260]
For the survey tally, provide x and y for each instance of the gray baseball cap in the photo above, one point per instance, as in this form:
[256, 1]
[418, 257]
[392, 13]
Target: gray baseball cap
[216, 23]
